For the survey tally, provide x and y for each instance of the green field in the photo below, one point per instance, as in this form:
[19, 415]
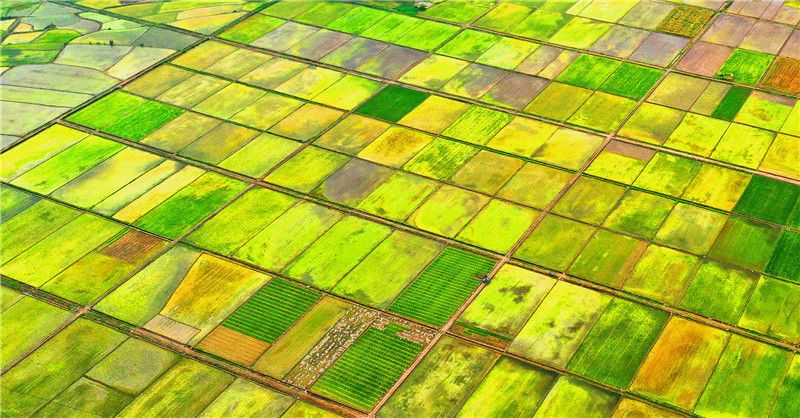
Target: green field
[271, 310]
[442, 287]
[369, 367]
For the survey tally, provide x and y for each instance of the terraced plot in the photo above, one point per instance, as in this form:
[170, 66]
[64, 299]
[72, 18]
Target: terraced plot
[59, 56]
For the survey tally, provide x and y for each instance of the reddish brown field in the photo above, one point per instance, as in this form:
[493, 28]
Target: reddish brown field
[685, 21]
[783, 76]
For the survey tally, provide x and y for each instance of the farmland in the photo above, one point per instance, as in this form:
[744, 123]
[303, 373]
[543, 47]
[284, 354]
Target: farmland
[328, 208]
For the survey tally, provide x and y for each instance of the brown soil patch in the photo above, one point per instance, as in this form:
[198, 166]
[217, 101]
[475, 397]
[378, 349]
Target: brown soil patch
[133, 247]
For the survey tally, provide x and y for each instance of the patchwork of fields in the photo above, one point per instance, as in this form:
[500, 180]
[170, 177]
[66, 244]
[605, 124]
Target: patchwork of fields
[456, 208]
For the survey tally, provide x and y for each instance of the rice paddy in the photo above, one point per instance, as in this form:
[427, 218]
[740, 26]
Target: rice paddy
[448, 208]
